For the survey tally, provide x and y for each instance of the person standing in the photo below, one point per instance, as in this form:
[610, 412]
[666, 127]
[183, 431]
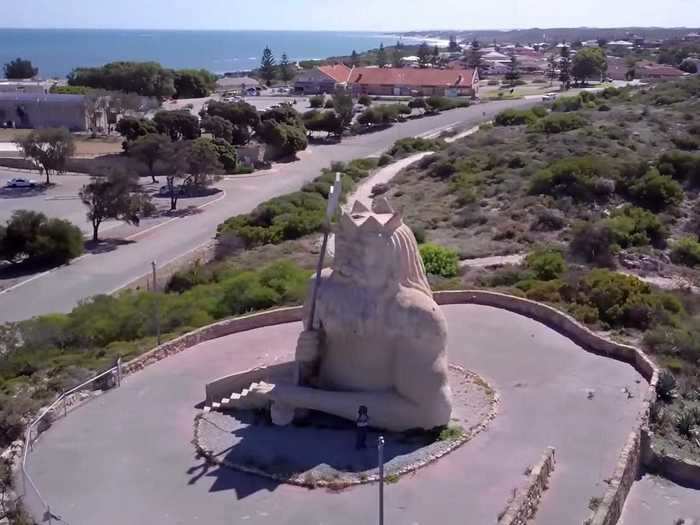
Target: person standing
[362, 424]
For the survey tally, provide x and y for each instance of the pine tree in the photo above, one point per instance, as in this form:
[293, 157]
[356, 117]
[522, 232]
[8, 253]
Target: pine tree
[436, 56]
[565, 67]
[396, 58]
[267, 66]
[474, 56]
[423, 55]
[513, 73]
[381, 56]
[551, 69]
[453, 46]
[354, 59]
[286, 73]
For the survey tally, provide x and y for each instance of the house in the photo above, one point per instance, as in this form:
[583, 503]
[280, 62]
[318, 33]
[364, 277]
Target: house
[40, 110]
[659, 71]
[322, 79]
[236, 85]
[414, 82]
[692, 37]
[25, 86]
[620, 45]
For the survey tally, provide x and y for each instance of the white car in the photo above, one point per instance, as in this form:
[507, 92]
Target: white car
[549, 97]
[21, 183]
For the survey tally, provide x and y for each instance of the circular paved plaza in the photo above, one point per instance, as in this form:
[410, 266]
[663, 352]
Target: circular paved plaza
[127, 457]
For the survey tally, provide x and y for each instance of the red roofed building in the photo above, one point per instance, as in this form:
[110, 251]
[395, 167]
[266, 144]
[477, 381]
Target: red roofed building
[414, 82]
[322, 79]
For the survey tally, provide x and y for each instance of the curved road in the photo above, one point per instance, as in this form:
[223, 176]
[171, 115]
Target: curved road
[61, 289]
[126, 457]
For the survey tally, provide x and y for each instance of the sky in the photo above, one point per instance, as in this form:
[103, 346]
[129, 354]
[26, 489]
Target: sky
[341, 15]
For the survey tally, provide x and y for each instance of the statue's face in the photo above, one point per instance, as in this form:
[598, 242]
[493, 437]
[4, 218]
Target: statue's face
[363, 259]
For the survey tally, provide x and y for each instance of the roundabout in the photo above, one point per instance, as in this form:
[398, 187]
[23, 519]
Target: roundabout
[127, 456]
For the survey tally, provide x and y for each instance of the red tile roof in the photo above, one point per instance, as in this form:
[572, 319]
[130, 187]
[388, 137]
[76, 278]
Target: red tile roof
[338, 72]
[660, 71]
[412, 77]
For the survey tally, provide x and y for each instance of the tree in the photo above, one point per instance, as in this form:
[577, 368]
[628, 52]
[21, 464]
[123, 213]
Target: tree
[286, 138]
[228, 157]
[474, 56]
[343, 106]
[424, 55]
[19, 69]
[193, 163]
[513, 73]
[286, 73]
[243, 116]
[602, 42]
[381, 55]
[194, 83]
[631, 63]
[112, 197]
[202, 161]
[589, 62]
[132, 128]
[267, 66]
[148, 79]
[564, 67]
[30, 236]
[396, 57]
[151, 149]
[689, 66]
[435, 57]
[49, 149]
[219, 127]
[453, 46]
[179, 124]
[551, 69]
[354, 59]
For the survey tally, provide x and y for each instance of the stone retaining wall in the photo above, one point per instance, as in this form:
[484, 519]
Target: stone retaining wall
[679, 470]
[527, 499]
[214, 331]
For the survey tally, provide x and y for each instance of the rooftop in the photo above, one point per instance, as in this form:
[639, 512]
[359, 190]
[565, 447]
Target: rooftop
[338, 72]
[413, 77]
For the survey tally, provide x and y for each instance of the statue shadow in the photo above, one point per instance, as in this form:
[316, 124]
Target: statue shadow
[319, 446]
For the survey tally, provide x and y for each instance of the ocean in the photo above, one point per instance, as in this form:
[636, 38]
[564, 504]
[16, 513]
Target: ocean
[57, 52]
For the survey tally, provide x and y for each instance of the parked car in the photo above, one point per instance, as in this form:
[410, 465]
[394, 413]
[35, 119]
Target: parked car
[549, 97]
[21, 183]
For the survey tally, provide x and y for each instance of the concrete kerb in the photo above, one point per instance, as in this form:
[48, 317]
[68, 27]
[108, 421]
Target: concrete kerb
[527, 499]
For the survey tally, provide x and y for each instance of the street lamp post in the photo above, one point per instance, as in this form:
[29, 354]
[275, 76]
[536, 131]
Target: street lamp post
[157, 303]
[380, 452]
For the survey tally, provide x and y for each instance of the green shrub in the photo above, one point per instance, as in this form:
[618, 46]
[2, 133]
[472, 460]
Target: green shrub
[364, 100]
[547, 291]
[444, 103]
[411, 145]
[443, 169]
[419, 234]
[686, 142]
[576, 177]
[656, 192]
[385, 160]
[624, 300]
[316, 101]
[686, 251]
[439, 260]
[546, 264]
[632, 226]
[556, 123]
[594, 243]
[566, 104]
[681, 166]
[515, 117]
[683, 342]
[666, 386]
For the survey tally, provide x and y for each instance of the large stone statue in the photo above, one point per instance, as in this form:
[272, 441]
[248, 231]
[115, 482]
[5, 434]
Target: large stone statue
[378, 338]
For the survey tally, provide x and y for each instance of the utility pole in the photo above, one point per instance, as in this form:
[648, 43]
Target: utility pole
[157, 303]
[380, 452]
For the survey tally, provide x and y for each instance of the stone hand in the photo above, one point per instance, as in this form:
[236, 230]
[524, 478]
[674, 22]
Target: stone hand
[308, 346]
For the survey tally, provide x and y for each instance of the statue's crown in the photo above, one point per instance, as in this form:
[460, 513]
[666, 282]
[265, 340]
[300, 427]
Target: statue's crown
[381, 220]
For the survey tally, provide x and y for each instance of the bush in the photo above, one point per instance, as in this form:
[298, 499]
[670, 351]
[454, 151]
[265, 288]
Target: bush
[419, 234]
[316, 101]
[576, 177]
[547, 292]
[632, 226]
[552, 124]
[547, 219]
[604, 107]
[32, 237]
[443, 169]
[594, 243]
[364, 100]
[411, 145]
[329, 104]
[546, 264]
[656, 192]
[515, 117]
[681, 166]
[566, 104]
[438, 103]
[686, 251]
[686, 142]
[624, 300]
[439, 260]
[666, 387]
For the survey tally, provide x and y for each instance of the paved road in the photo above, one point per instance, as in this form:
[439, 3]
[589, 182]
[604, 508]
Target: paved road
[60, 290]
[126, 457]
[659, 501]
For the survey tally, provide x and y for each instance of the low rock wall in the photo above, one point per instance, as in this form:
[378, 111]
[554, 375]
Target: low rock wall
[527, 499]
[679, 470]
[214, 331]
